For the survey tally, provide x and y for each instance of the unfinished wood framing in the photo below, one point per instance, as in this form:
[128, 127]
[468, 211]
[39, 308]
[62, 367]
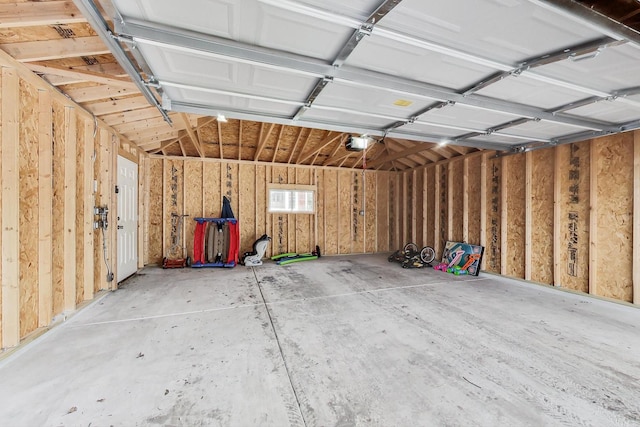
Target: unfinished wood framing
[69, 212]
[45, 197]
[636, 217]
[10, 208]
[612, 219]
[49, 248]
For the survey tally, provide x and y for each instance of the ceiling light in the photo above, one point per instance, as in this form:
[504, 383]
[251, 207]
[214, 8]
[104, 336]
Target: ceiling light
[221, 118]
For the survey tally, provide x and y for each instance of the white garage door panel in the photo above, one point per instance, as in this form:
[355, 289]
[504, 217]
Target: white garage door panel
[270, 56]
[524, 29]
[412, 62]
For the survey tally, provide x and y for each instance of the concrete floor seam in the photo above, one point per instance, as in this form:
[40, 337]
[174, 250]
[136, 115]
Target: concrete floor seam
[284, 361]
[288, 301]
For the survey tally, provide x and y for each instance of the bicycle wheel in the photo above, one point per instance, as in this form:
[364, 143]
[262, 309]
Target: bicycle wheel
[411, 247]
[427, 254]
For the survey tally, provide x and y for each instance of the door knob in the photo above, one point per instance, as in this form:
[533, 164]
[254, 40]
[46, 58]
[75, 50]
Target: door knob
[120, 227]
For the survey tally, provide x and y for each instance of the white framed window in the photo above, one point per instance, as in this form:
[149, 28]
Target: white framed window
[292, 198]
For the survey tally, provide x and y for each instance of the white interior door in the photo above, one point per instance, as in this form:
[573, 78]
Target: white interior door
[127, 220]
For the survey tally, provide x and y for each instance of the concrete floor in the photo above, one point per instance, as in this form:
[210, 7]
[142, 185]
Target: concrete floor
[340, 342]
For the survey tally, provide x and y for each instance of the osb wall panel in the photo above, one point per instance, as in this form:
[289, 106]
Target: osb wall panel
[279, 220]
[574, 182]
[338, 226]
[395, 202]
[305, 240]
[382, 211]
[345, 231]
[406, 214]
[44, 120]
[212, 196]
[58, 254]
[260, 193]
[357, 213]
[192, 200]
[492, 252]
[173, 175]
[429, 206]
[474, 207]
[154, 237]
[370, 200]
[456, 195]
[542, 169]
[28, 232]
[80, 207]
[515, 211]
[443, 207]
[247, 207]
[613, 196]
[418, 195]
[330, 211]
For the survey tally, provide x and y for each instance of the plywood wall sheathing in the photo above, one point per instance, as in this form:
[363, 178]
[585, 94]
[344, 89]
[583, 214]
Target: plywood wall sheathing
[28, 190]
[247, 210]
[382, 211]
[474, 210]
[492, 253]
[455, 205]
[612, 261]
[572, 216]
[513, 216]
[88, 202]
[155, 212]
[69, 211]
[10, 208]
[636, 217]
[58, 148]
[541, 209]
[45, 198]
[430, 216]
[192, 202]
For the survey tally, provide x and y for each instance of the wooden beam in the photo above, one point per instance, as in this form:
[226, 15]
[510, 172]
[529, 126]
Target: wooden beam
[69, 213]
[81, 75]
[636, 217]
[95, 93]
[331, 157]
[264, 136]
[417, 148]
[131, 116]
[144, 124]
[145, 137]
[158, 138]
[295, 146]
[46, 50]
[10, 207]
[328, 140]
[117, 105]
[33, 14]
[275, 151]
[164, 145]
[45, 207]
[192, 135]
[181, 147]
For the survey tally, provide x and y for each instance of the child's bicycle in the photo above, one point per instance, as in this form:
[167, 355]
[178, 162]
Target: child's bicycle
[411, 257]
